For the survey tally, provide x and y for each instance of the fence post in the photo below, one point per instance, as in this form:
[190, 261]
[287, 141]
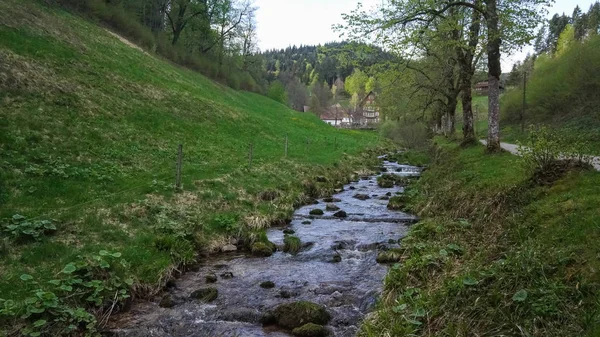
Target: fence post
[286, 145]
[250, 155]
[178, 168]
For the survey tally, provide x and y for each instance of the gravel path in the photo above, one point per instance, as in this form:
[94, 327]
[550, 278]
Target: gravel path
[514, 149]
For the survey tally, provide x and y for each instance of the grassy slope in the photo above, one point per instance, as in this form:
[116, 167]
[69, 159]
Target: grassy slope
[495, 255]
[88, 134]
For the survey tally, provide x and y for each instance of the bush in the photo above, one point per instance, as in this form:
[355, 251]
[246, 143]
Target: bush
[413, 135]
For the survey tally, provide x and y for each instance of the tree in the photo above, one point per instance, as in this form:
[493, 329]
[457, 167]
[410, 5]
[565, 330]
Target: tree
[297, 94]
[355, 83]
[371, 84]
[277, 92]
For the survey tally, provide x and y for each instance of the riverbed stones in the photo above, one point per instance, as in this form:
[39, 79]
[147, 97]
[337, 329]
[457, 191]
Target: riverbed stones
[227, 275]
[267, 285]
[337, 258]
[166, 301]
[332, 207]
[311, 330]
[361, 196]
[205, 294]
[211, 278]
[289, 231]
[352, 188]
[340, 214]
[306, 222]
[316, 211]
[228, 248]
[296, 314]
[331, 199]
[261, 249]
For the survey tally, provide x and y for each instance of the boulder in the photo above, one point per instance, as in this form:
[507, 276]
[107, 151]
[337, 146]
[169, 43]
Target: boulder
[205, 294]
[228, 248]
[306, 222]
[340, 214]
[336, 258]
[351, 188]
[360, 196]
[211, 278]
[267, 285]
[311, 330]
[261, 249]
[332, 207]
[166, 302]
[227, 275]
[296, 314]
[316, 211]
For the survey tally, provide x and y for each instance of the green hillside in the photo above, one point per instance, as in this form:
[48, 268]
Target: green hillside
[89, 130]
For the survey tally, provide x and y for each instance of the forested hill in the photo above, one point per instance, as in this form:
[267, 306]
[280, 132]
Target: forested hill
[332, 61]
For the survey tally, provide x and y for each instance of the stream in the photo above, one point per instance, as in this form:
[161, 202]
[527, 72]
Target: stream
[348, 289]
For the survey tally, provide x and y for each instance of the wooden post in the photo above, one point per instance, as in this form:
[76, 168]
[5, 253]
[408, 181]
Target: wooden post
[178, 168]
[286, 145]
[250, 155]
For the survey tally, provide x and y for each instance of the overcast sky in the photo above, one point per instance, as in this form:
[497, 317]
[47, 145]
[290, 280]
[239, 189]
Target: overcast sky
[282, 23]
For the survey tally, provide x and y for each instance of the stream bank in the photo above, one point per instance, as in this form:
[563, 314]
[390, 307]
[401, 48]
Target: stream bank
[335, 268]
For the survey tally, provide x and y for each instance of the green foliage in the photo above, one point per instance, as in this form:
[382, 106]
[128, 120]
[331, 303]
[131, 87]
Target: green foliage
[277, 92]
[54, 307]
[22, 230]
[355, 83]
[292, 244]
[410, 135]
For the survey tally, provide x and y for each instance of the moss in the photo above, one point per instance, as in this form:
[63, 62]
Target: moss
[316, 211]
[311, 330]
[331, 207]
[205, 294]
[296, 314]
[389, 256]
[289, 231]
[397, 203]
[262, 249]
[292, 244]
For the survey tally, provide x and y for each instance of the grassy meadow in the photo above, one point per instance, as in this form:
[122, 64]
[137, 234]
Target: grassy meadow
[89, 131]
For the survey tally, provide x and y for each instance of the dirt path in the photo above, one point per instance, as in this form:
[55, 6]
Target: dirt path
[514, 149]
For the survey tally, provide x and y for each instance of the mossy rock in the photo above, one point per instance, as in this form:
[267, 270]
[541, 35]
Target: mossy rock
[289, 231]
[296, 314]
[262, 249]
[330, 199]
[205, 294]
[311, 330]
[316, 211]
[361, 196]
[306, 222]
[292, 244]
[397, 203]
[166, 302]
[267, 285]
[336, 258]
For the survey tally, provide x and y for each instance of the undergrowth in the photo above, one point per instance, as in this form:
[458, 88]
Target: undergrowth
[496, 254]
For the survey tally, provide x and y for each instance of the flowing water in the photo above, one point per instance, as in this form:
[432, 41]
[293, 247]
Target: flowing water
[348, 289]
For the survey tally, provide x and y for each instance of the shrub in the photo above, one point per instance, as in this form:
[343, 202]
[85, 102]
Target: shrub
[413, 135]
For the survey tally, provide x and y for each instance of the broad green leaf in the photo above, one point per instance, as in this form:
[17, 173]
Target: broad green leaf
[39, 323]
[520, 296]
[117, 254]
[26, 277]
[443, 253]
[104, 253]
[469, 281]
[69, 269]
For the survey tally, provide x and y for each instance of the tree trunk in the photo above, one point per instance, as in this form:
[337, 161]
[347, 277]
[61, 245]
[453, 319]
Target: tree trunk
[494, 71]
[467, 107]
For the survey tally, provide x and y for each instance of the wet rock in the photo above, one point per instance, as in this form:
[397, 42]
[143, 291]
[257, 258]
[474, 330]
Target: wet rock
[228, 248]
[336, 258]
[331, 199]
[291, 244]
[261, 249]
[360, 196]
[289, 231]
[227, 275]
[166, 301]
[365, 178]
[316, 211]
[170, 284]
[375, 195]
[296, 314]
[338, 245]
[306, 222]
[267, 285]
[311, 330]
[285, 294]
[391, 241]
[340, 214]
[389, 194]
[268, 319]
[313, 202]
[352, 188]
[205, 294]
[211, 278]
[332, 207]
[385, 197]
[245, 315]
